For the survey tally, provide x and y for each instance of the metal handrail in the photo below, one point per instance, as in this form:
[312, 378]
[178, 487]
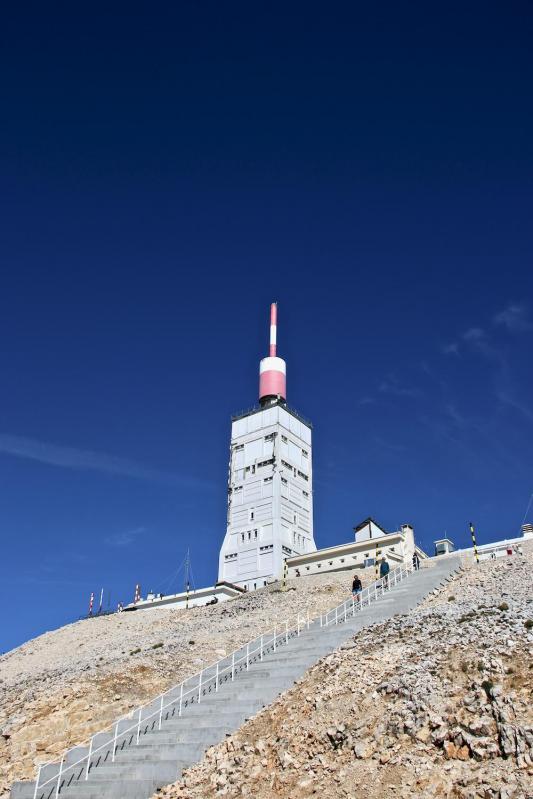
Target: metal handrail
[261, 645]
[373, 592]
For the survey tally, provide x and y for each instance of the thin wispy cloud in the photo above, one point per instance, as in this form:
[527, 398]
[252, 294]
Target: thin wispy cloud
[88, 460]
[124, 538]
[478, 341]
[392, 386]
[457, 418]
[474, 334]
[451, 349]
[515, 318]
[506, 397]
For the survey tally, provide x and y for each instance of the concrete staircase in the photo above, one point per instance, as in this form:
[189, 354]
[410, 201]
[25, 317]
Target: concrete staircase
[158, 750]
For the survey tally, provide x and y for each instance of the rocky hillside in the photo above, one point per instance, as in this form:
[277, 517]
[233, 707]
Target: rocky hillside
[58, 689]
[438, 703]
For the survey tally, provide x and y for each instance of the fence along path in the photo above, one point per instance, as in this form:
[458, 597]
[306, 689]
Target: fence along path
[150, 746]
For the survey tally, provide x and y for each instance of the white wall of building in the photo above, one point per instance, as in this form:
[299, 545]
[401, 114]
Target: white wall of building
[270, 496]
[195, 598]
[396, 547]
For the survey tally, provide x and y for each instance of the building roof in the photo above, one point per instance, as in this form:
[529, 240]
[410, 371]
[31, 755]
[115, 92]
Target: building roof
[350, 546]
[369, 520]
[279, 403]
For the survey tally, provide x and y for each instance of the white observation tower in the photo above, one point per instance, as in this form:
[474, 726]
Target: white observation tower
[270, 483]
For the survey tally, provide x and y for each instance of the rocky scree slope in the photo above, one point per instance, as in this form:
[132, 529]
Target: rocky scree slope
[58, 689]
[437, 703]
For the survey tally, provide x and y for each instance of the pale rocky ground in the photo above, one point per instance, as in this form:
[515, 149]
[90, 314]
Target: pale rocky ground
[438, 703]
[58, 689]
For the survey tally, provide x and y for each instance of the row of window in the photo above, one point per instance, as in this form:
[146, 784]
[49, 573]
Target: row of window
[248, 587]
[298, 541]
[294, 470]
[271, 437]
[252, 536]
[367, 557]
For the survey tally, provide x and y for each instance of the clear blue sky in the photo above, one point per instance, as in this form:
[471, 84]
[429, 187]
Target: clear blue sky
[168, 170]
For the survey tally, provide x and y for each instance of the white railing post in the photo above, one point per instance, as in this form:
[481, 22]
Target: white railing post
[200, 687]
[321, 620]
[89, 759]
[247, 656]
[345, 611]
[161, 712]
[275, 636]
[59, 776]
[115, 743]
[181, 699]
[261, 649]
[375, 590]
[139, 726]
[216, 679]
[287, 631]
[298, 625]
[233, 666]
[37, 783]
[353, 606]
[336, 616]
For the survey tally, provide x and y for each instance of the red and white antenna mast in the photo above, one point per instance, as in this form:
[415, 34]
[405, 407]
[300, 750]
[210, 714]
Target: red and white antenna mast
[272, 370]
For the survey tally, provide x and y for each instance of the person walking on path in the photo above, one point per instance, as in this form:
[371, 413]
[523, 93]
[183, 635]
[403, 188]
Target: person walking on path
[357, 588]
[416, 561]
[384, 570]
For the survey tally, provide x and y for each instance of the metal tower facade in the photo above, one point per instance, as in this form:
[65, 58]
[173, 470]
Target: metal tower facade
[270, 483]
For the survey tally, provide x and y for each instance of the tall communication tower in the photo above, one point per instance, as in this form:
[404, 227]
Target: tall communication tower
[270, 484]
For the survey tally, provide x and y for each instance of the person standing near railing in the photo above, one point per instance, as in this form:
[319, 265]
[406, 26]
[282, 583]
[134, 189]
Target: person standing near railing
[416, 561]
[384, 570]
[357, 588]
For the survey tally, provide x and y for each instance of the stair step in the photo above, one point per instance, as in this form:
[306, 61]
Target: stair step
[160, 755]
[111, 789]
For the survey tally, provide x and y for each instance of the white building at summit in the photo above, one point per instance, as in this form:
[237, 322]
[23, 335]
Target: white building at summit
[270, 484]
